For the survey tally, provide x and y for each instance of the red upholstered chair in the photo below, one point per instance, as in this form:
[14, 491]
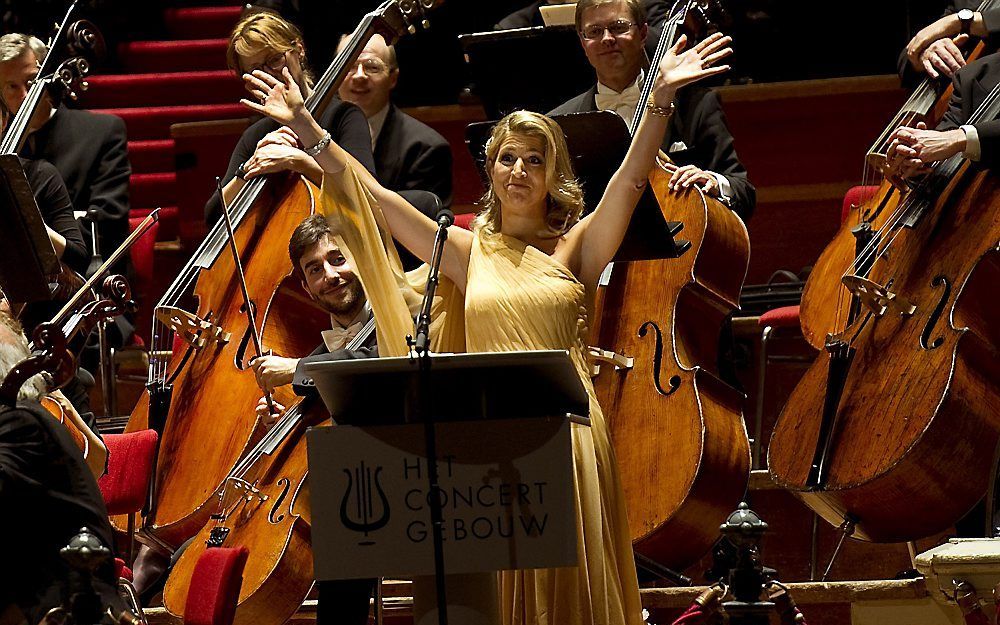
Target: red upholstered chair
[215, 586]
[786, 319]
[464, 220]
[124, 488]
[130, 469]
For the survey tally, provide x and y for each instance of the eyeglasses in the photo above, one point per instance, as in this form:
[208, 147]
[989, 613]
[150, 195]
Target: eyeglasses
[373, 67]
[274, 63]
[616, 28]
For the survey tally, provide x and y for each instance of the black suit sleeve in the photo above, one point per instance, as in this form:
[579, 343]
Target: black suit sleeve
[304, 386]
[910, 77]
[985, 71]
[109, 186]
[56, 208]
[717, 152]
[430, 170]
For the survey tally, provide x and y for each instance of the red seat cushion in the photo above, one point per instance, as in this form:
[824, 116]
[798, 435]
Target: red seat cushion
[784, 317]
[856, 196]
[122, 571]
[464, 220]
[215, 586]
[130, 467]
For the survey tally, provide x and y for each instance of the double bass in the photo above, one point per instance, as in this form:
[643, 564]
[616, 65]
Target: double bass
[891, 432]
[673, 422]
[826, 306]
[201, 391]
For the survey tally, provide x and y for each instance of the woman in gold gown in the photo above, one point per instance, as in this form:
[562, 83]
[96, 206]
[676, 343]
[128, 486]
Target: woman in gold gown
[528, 272]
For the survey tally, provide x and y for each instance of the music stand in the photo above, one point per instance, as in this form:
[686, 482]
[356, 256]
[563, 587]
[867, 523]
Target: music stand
[27, 257]
[597, 144]
[491, 388]
[554, 70]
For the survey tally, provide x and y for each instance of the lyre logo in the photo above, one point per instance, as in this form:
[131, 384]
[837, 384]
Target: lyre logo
[364, 483]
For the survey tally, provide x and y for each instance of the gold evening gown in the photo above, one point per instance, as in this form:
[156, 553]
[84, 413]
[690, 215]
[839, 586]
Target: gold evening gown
[517, 298]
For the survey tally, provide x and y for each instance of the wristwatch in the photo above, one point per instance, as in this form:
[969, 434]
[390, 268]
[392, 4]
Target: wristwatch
[965, 17]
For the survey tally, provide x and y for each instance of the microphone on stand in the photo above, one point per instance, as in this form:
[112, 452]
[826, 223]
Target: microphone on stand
[420, 341]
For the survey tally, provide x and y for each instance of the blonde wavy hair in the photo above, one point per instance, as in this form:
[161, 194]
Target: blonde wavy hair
[565, 194]
[264, 31]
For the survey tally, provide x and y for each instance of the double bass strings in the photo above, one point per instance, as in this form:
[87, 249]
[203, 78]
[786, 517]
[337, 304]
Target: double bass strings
[942, 170]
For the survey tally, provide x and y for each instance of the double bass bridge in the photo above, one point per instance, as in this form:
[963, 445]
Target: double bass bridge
[191, 328]
[600, 356]
[877, 298]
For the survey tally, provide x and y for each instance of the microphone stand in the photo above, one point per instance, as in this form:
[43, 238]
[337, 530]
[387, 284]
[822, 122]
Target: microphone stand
[420, 405]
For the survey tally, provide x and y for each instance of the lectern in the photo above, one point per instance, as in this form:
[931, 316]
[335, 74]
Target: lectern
[502, 433]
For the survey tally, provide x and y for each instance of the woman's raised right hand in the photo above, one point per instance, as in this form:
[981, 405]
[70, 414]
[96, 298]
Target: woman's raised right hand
[281, 100]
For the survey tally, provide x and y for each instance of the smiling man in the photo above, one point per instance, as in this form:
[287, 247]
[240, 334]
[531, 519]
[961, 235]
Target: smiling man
[613, 34]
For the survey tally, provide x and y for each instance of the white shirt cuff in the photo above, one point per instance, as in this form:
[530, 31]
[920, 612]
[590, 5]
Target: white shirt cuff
[973, 149]
[725, 189]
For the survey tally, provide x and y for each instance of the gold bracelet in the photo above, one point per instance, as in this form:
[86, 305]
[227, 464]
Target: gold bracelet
[660, 111]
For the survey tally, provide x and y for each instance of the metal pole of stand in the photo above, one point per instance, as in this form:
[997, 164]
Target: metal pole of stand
[846, 529]
[421, 401]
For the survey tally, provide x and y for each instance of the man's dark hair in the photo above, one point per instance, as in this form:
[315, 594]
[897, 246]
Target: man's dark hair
[306, 234]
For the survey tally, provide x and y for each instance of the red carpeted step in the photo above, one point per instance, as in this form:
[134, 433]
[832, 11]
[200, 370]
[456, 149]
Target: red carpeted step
[154, 122]
[168, 221]
[174, 56]
[202, 22]
[157, 189]
[170, 89]
[151, 155]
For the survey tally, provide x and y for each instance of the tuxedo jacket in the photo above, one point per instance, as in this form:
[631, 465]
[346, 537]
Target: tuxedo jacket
[991, 20]
[47, 494]
[410, 155]
[345, 122]
[304, 385]
[90, 152]
[700, 125]
[972, 84]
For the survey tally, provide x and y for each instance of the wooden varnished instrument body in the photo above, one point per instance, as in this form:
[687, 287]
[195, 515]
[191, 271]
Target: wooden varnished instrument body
[211, 421]
[273, 521]
[825, 306]
[674, 424]
[918, 421]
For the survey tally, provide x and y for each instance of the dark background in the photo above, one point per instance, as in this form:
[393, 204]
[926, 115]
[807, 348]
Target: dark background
[775, 40]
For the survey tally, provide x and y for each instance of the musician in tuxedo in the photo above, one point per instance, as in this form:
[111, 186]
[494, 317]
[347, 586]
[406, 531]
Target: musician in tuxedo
[270, 43]
[613, 34]
[88, 149]
[913, 150]
[48, 494]
[409, 155]
[937, 49]
[329, 280]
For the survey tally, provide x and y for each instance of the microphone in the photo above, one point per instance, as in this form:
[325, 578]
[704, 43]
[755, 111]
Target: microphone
[445, 217]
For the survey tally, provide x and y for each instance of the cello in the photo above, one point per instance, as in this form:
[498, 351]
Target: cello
[673, 422]
[890, 431]
[201, 396]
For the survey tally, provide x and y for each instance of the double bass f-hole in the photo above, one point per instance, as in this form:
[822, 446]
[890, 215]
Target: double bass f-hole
[275, 516]
[240, 360]
[939, 281]
[675, 380]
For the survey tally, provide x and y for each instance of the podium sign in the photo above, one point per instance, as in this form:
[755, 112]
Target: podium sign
[506, 492]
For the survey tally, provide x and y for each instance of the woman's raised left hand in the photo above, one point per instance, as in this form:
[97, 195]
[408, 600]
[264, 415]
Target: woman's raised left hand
[679, 67]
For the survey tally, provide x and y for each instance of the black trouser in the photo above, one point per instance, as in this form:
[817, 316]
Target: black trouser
[344, 602]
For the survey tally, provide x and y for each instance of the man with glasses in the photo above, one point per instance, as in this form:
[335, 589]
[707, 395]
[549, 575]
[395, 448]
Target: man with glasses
[613, 34]
[268, 42]
[656, 14]
[408, 153]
